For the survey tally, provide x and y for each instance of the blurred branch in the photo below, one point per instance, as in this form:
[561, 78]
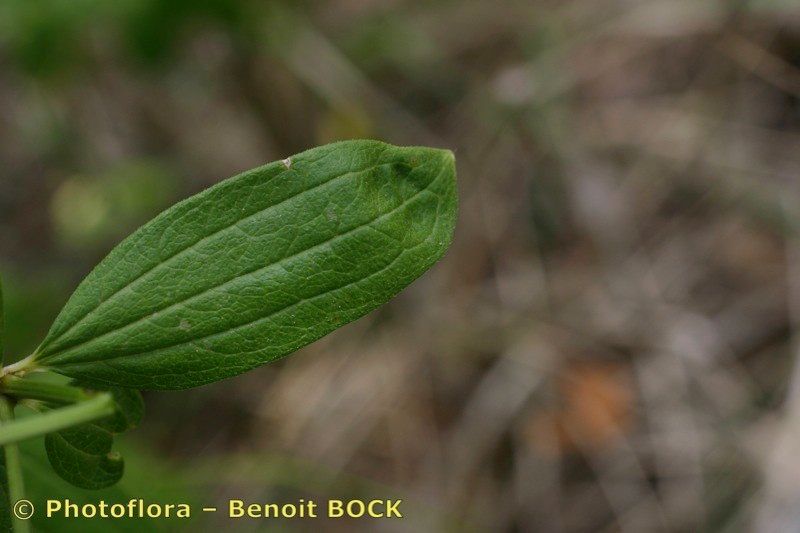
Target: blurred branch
[328, 72]
[761, 62]
[778, 508]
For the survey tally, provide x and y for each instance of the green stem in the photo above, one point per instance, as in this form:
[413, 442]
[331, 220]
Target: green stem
[99, 406]
[26, 389]
[2, 328]
[24, 365]
[16, 483]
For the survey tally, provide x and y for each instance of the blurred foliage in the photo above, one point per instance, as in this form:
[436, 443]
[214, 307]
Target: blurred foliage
[395, 41]
[31, 304]
[609, 343]
[54, 38]
[337, 125]
[153, 28]
[90, 210]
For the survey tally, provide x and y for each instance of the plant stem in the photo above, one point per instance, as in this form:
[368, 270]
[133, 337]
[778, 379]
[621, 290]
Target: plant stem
[16, 484]
[2, 327]
[23, 365]
[24, 389]
[99, 406]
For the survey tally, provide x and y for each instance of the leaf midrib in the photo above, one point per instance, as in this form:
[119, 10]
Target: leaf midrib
[79, 450]
[42, 350]
[245, 325]
[147, 316]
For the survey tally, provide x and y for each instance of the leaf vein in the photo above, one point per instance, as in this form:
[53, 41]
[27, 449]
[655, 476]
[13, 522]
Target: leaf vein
[206, 238]
[416, 195]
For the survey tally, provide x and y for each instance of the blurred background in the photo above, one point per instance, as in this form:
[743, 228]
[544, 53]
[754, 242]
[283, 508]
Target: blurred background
[611, 343]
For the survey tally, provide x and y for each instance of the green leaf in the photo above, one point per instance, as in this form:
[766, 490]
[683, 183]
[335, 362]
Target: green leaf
[129, 411]
[258, 266]
[83, 455]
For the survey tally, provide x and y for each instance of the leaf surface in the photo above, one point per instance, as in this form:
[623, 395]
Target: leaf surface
[129, 411]
[83, 455]
[258, 266]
